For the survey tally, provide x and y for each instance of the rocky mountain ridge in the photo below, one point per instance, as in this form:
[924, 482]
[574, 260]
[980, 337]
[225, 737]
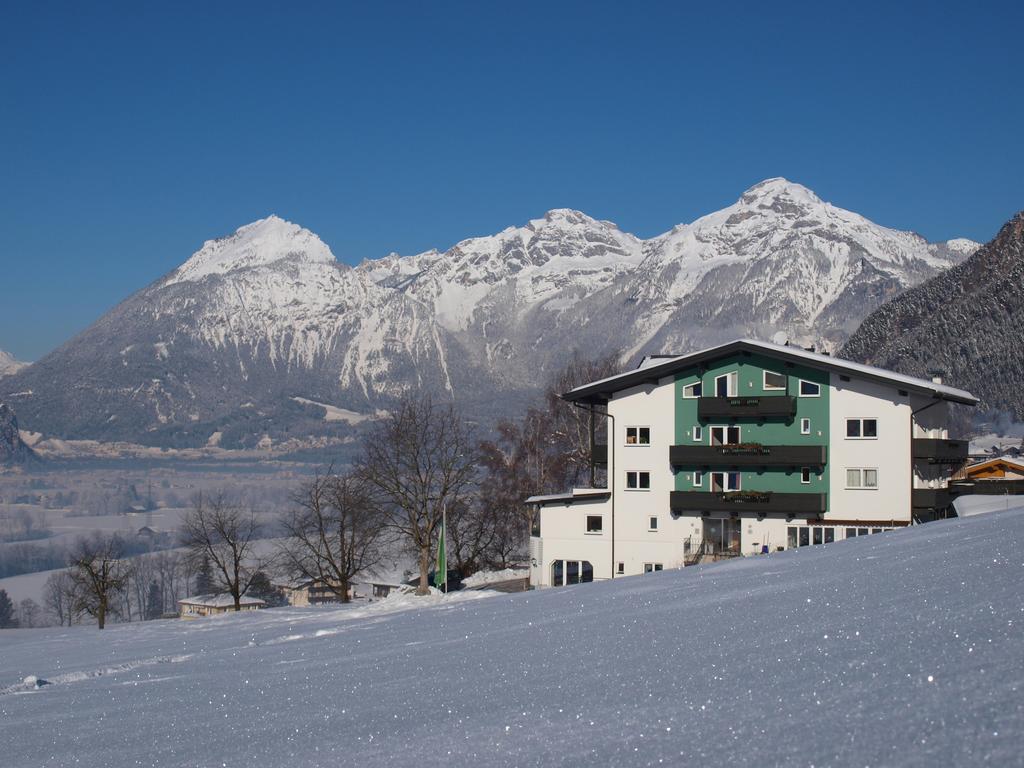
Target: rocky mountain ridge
[263, 336]
[965, 323]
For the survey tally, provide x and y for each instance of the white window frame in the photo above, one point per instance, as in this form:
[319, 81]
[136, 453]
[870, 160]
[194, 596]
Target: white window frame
[860, 428]
[586, 525]
[805, 472]
[653, 567]
[771, 388]
[637, 444]
[690, 388]
[725, 483]
[652, 523]
[698, 434]
[698, 478]
[731, 384]
[621, 568]
[861, 479]
[805, 426]
[638, 473]
[800, 388]
[726, 428]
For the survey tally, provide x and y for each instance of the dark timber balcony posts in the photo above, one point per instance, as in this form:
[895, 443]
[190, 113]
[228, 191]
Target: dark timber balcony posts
[937, 451]
[769, 407]
[748, 455]
[747, 503]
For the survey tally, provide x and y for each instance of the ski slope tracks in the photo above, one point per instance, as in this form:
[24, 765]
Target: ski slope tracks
[900, 649]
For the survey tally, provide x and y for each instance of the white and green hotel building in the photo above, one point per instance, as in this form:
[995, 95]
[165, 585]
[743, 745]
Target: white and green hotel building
[743, 449]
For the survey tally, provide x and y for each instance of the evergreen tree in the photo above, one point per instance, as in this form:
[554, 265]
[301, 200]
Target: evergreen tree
[7, 619]
[204, 578]
[260, 587]
[154, 602]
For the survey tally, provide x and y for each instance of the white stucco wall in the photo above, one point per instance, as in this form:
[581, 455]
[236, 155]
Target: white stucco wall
[889, 453]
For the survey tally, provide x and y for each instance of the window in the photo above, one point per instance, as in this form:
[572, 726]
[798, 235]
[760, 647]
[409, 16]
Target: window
[621, 568]
[698, 478]
[653, 524]
[638, 435]
[565, 572]
[809, 389]
[595, 523]
[862, 429]
[774, 381]
[805, 475]
[809, 536]
[652, 567]
[725, 435]
[691, 391]
[638, 481]
[725, 385]
[698, 434]
[535, 524]
[862, 478]
[723, 482]
[805, 426]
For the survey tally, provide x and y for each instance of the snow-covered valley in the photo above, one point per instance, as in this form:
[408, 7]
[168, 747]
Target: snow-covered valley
[898, 649]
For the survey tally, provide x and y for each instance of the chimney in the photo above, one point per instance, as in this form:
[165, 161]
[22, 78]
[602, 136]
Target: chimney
[936, 374]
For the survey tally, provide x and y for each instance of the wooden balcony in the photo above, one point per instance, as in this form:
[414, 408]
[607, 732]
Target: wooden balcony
[747, 503]
[930, 498]
[937, 451]
[760, 408]
[748, 455]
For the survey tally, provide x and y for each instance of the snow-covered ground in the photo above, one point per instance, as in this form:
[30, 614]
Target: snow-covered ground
[904, 648]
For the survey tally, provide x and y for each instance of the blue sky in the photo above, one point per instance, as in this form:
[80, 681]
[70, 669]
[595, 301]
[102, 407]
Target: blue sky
[131, 133]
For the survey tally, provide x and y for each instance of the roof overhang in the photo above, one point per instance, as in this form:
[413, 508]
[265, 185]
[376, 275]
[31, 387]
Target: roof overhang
[569, 498]
[601, 391]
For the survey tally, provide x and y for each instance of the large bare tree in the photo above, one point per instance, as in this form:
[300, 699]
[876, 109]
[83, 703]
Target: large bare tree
[100, 575]
[223, 532]
[417, 461]
[334, 531]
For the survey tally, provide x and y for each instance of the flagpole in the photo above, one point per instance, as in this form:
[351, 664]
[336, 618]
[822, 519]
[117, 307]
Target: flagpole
[444, 527]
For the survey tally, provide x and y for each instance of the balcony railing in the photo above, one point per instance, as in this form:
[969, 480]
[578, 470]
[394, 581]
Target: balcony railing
[769, 407]
[748, 455]
[937, 451]
[748, 503]
[930, 498]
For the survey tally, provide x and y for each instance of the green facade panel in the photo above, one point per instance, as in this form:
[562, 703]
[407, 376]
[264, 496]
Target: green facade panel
[749, 369]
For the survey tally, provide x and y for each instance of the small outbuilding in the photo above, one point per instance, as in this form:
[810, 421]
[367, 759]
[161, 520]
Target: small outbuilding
[198, 606]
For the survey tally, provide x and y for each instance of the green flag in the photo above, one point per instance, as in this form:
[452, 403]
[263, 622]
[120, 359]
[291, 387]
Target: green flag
[441, 571]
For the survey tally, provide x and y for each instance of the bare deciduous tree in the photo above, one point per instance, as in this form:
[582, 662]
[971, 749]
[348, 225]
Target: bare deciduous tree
[99, 575]
[59, 597]
[223, 533]
[418, 460]
[29, 613]
[334, 532]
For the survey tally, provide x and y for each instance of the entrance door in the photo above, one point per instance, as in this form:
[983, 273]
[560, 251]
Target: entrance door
[722, 536]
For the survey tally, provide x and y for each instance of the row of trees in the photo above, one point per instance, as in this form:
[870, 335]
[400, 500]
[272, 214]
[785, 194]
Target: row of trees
[421, 463]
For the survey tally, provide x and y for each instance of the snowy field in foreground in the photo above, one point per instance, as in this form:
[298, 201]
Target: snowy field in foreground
[898, 649]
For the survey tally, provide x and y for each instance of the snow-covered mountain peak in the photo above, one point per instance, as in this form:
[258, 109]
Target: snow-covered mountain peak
[260, 243]
[764, 194]
[8, 364]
